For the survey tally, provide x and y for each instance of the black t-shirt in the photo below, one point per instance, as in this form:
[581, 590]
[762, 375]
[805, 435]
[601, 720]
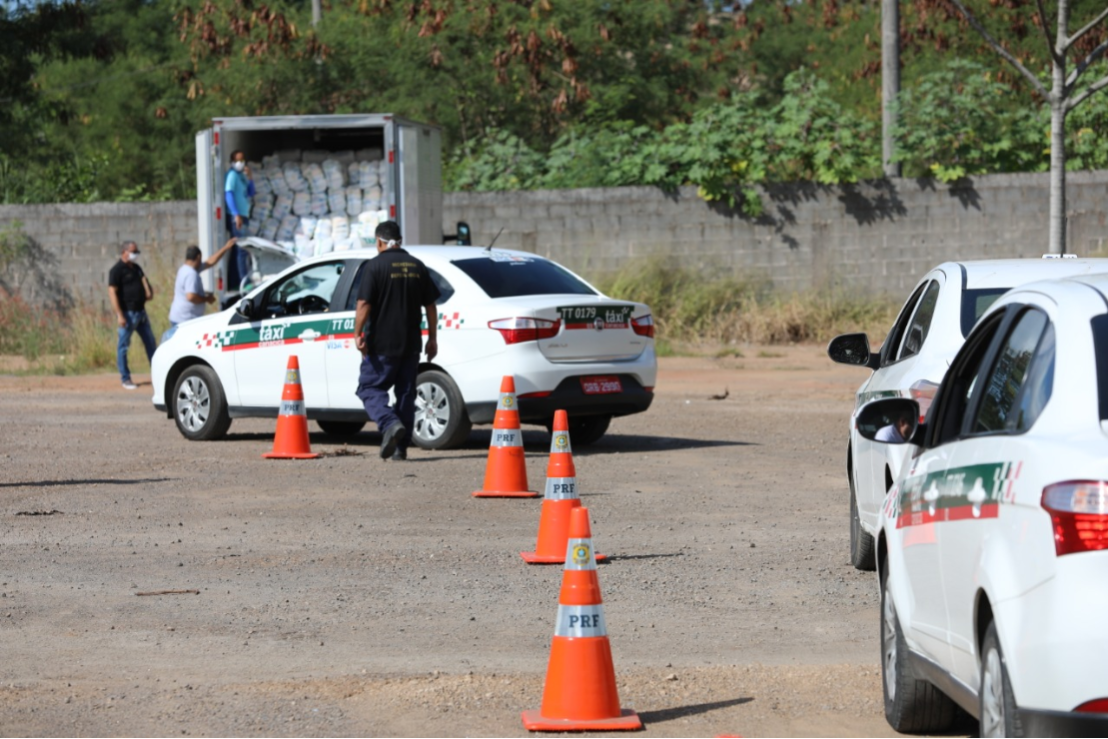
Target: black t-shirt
[397, 286]
[127, 280]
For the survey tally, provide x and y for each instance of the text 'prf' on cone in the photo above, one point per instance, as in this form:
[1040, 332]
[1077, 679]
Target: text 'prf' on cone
[506, 469]
[580, 690]
[291, 439]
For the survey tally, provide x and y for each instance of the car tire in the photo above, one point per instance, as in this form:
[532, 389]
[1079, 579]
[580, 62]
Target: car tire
[996, 703]
[340, 428]
[861, 542]
[587, 430]
[911, 705]
[199, 406]
[441, 420]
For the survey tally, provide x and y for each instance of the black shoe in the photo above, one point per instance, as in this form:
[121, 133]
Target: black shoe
[392, 436]
[399, 455]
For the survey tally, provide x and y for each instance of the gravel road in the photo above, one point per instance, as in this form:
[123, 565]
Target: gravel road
[351, 596]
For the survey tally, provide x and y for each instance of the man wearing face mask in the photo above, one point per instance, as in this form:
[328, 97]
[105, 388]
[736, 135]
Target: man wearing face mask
[129, 290]
[238, 189]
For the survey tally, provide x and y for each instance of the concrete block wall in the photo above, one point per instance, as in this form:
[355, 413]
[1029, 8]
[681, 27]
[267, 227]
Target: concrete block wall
[873, 237]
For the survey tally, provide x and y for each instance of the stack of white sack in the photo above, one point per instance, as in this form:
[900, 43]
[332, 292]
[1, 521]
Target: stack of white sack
[302, 204]
[314, 174]
[353, 201]
[294, 178]
[334, 173]
[282, 206]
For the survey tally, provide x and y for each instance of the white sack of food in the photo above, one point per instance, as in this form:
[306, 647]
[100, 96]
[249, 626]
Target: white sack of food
[343, 157]
[319, 204]
[323, 228]
[306, 227]
[302, 204]
[271, 160]
[294, 177]
[353, 201]
[282, 206]
[313, 173]
[303, 246]
[324, 246]
[269, 228]
[336, 202]
[335, 174]
[276, 178]
[340, 228]
[287, 229]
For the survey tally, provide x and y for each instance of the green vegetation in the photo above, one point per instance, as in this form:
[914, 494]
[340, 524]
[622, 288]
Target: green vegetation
[101, 99]
[692, 309]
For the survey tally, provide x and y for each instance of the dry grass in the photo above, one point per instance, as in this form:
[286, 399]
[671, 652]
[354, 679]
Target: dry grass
[693, 311]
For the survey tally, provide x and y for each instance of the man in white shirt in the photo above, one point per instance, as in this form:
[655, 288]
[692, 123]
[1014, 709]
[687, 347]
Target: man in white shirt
[189, 298]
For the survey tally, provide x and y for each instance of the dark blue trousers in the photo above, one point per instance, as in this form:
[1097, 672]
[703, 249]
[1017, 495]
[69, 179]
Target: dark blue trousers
[377, 376]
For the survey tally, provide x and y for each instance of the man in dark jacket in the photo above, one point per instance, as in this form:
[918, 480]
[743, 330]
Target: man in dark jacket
[129, 290]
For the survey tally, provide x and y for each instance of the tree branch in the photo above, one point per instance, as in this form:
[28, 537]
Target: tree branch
[1088, 27]
[1004, 53]
[1057, 57]
[1085, 64]
[1088, 92]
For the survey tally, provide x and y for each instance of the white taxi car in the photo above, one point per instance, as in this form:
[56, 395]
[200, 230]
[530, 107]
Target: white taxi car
[993, 547]
[929, 330]
[501, 312]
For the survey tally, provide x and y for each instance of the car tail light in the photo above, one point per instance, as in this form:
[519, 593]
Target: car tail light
[1079, 511]
[923, 392]
[516, 330]
[1100, 705]
[643, 326]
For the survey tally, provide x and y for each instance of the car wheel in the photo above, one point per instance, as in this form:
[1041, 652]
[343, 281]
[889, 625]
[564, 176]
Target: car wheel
[911, 705]
[997, 705]
[588, 430]
[199, 406]
[441, 420]
[340, 428]
[861, 542]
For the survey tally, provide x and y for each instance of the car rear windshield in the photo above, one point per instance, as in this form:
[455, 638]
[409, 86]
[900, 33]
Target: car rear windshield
[1100, 348]
[512, 277]
[976, 302]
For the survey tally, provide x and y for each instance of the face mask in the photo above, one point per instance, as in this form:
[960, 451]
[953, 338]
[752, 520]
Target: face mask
[239, 166]
[133, 257]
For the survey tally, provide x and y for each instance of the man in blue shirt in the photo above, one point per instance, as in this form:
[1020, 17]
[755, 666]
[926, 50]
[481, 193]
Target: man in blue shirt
[238, 189]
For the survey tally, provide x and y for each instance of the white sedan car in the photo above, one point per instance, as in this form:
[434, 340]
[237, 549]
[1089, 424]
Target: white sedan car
[993, 547]
[931, 327]
[501, 312]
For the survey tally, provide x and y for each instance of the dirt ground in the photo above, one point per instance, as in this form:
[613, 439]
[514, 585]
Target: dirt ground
[348, 596]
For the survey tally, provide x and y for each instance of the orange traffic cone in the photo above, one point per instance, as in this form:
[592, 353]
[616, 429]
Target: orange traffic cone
[506, 472]
[291, 439]
[580, 692]
[559, 499]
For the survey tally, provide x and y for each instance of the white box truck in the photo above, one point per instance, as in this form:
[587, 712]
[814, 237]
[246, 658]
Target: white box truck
[410, 155]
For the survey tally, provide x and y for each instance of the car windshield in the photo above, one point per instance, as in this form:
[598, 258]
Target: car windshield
[503, 275]
[976, 302]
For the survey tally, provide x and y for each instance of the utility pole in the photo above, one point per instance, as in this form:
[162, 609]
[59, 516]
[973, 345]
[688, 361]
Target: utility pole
[317, 12]
[890, 82]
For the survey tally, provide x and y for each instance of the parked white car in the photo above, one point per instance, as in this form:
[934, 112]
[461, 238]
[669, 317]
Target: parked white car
[941, 310]
[501, 312]
[993, 546]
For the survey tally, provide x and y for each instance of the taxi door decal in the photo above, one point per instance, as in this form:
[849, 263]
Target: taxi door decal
[959, 493]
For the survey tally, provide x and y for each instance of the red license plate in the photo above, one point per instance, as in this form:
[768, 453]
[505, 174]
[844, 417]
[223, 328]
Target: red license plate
[601, 385]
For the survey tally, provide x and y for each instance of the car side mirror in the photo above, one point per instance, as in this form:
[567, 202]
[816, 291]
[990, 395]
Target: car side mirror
[245, 308]
[852, 349]
[890, 421]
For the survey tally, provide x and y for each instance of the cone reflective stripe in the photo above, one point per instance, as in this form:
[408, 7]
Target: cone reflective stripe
[580, 690]
[291, 439]
[506, 469]
[559, 498]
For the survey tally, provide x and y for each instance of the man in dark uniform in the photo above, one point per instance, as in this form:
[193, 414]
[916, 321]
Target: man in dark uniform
[394, 292]
[129, 290]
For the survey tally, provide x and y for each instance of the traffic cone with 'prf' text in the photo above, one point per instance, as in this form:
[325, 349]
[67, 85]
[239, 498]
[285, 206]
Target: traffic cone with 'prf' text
[291, 439]
[580, 692]
[506, 470]
[560, 498]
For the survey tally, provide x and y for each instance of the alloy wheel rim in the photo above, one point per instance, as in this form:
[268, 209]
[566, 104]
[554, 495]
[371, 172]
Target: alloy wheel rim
[992, 696]
[888, 646]
[432, 411]
[193, 404]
